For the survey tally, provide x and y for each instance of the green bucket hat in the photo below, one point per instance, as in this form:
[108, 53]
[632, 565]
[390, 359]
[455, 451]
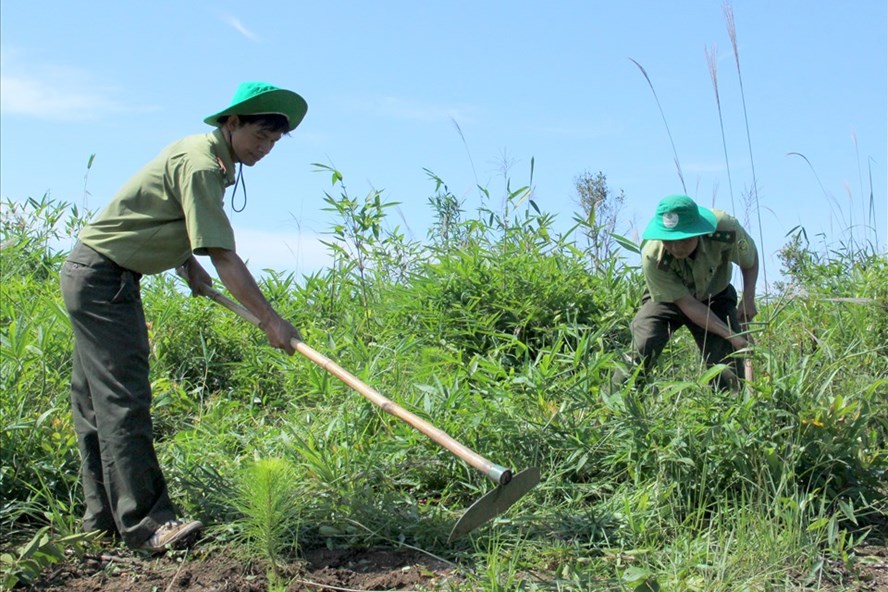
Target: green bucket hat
[679, 217]
[259, 98]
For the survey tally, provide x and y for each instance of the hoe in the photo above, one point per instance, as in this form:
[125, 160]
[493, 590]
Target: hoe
[509, 488]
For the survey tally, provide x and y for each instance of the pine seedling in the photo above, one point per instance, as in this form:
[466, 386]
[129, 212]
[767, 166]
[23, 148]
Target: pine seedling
[267, 502]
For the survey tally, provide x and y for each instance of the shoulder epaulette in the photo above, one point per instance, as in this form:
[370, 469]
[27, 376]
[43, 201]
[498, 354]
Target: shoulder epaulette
[724, 236]
[221, 164]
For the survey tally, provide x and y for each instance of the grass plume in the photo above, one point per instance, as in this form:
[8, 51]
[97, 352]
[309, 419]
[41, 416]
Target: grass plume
[665, 123]
[732, 34]
[712, 62]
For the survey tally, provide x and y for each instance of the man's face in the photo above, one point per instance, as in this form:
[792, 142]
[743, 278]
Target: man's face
[250, 142]
[681, 249]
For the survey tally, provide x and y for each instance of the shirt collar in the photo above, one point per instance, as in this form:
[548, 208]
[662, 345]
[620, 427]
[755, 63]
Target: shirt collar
[223, 155]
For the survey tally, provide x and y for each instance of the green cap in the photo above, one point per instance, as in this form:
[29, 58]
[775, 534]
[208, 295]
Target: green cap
[679, 217]
[260, 98]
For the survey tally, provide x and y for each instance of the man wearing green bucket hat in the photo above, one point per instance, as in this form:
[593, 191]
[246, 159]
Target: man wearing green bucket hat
[687, 262]
[167, 214]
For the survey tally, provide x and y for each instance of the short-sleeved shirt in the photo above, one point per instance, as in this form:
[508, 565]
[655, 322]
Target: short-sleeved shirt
[172, 208]
[707, 272]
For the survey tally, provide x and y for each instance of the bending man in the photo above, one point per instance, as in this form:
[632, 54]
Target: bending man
[687, 261]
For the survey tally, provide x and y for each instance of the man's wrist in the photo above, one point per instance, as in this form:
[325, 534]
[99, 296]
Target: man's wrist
[267, 319]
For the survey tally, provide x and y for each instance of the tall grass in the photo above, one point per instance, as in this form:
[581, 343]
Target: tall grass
[501, 335]
[732, 34]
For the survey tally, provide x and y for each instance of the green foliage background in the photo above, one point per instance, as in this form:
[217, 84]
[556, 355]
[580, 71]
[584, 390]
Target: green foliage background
[503, 333]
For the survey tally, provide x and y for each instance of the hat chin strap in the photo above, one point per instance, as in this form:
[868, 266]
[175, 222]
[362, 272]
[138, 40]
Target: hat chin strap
[239, 180]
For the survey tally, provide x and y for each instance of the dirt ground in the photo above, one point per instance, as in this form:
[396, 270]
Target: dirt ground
[184, 571]
[869, 573]
[340, 569]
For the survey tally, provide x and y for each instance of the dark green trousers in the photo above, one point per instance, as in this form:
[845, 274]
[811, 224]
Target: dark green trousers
[655, 323]
[124, 489]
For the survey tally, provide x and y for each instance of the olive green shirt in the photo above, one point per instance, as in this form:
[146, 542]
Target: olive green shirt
[707, 272]
[172, 208]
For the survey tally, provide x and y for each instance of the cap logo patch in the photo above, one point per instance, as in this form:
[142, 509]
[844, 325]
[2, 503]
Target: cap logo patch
[670, 220]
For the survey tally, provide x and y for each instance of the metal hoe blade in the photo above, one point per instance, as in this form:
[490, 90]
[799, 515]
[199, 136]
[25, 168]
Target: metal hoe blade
[495, 502]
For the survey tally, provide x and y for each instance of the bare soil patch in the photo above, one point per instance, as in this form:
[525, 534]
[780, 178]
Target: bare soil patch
[213, 571]
[208, 570]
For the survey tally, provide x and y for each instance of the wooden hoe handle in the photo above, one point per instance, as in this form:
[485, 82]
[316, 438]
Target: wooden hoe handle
[496, 473]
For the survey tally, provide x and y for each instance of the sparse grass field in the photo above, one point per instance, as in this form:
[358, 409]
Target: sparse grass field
[498, 332]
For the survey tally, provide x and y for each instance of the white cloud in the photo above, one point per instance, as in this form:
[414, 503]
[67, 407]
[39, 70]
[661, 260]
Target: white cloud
[407, 109]
[300, 253]
[701, 167]
[54, 93]
[401, 108]
[602, 129]
[235, 24]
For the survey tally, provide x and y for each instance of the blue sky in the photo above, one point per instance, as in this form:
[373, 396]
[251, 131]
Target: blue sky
[386, 82]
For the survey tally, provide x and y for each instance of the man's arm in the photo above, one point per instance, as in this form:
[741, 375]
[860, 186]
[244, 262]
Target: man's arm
[196, 274]
[239, 281]
[701, 316]
[746, 311]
